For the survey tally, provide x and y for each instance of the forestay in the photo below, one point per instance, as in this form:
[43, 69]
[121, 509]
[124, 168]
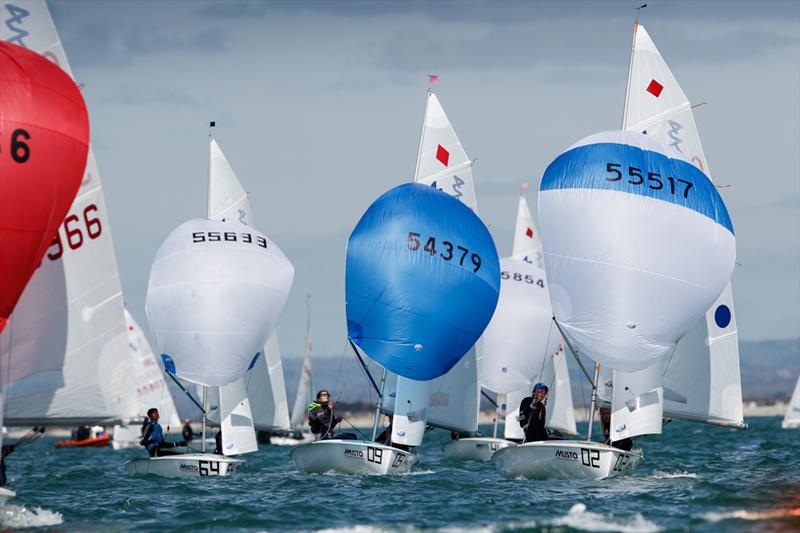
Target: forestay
[81, 371]
[215, 292]
[638, 244]
[699, 387]
[422, 281]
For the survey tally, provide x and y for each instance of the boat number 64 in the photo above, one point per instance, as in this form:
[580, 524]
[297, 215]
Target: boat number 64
[208, 468]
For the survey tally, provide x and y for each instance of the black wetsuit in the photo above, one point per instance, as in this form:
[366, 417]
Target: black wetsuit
[7, 449]
[187, 433]
[533, 414]
[322, 420]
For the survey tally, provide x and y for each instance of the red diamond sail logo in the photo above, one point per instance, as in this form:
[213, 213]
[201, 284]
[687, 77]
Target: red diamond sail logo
[655, 88]
[529, 233]
[442, 155]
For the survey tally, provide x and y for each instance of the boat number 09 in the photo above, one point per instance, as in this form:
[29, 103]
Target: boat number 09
[374, 455]
[74, 233]
[590, 458]
[622, 460]
[208, 467]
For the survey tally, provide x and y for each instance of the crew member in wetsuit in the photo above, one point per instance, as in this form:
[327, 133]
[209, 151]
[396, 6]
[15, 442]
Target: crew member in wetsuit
[153, 438]
[605, 424]
[321, 417]
[187, 432]
[533, 414]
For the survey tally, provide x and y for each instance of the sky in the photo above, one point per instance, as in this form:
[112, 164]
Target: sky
[319, 105]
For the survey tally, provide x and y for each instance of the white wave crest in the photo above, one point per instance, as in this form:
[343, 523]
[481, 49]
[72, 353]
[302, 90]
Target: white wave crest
[14, 516]
[744, 514]
[579, 518]
[657, 474]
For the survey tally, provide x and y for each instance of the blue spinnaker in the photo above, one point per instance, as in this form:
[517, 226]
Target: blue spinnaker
[422, 281]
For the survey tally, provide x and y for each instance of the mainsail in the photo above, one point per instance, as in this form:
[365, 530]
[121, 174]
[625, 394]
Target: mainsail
[304, 391]
[81, 371]
[702, 377]
[792, 418]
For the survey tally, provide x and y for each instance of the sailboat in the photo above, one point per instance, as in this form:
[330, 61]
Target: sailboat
[452, 401]
[414, 255]
[619, 295]
[83, 371]
[258, 399]
[792, 418]
[520, 348]
[201, 268]
[38, 101]
[303, 397]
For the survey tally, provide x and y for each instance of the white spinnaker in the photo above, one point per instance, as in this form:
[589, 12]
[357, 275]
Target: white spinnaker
[151, 389]
[266, 390]
[527, 244]
[304, 393]
[792, 418]
[708, 388]
[229, 202]
[80, 371]
[516, 340]
[215, 292]
[602, 291]
[443, 163]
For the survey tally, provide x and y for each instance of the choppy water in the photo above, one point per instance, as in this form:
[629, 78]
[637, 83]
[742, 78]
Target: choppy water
[695, 478]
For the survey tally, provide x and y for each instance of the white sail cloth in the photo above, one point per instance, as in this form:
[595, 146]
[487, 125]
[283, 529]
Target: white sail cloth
[638, 244]
[702, 377]
[266, 389]
[516, 340]
[80, 370]
[527, 244]
[792, 418]
[216, 290]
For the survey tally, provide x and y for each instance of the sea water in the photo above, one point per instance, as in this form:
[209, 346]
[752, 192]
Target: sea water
[695, 477]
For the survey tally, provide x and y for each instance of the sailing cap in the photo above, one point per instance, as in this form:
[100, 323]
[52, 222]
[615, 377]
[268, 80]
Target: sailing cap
[323, 391]
[540, 386]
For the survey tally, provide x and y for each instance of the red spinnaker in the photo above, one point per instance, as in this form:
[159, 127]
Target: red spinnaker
[44, 141]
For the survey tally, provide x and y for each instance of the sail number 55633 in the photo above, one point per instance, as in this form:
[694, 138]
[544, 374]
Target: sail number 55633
[450, 251]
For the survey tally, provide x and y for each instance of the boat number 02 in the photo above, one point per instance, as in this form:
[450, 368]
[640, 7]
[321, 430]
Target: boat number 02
[208, 467]
[622, 461]
[374, 455]
[590, 458]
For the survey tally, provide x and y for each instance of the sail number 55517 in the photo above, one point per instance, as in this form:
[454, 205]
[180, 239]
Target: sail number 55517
[450, 252]
[652, 180]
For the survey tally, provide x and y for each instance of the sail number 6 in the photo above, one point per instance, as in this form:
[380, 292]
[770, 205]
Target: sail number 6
[20, 151]
[448, 254]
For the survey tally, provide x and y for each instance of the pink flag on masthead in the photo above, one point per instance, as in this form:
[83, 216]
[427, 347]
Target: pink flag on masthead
[433, 78]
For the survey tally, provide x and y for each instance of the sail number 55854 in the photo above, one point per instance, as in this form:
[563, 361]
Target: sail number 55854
[450, 252]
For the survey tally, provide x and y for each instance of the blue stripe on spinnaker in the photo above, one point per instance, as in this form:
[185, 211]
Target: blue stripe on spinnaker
[586, 167]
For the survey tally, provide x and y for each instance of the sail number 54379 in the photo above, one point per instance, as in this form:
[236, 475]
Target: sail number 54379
[450, 251]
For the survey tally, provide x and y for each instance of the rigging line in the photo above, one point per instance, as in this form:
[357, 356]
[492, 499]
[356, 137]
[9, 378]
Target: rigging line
[364, 366]
[189, 394]
[546, 346]
[357, 430]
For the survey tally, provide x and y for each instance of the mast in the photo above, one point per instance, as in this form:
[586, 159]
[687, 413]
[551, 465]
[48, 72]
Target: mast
[496, 416]
[594, 401]
[378, 406]
[205, 410]
[630, 67]
[422, 135]
[208, 196]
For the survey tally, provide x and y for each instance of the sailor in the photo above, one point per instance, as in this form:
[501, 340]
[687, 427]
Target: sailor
[321, 416]
[153, 437]
[533, 414]
[187, 432]
[605, 424]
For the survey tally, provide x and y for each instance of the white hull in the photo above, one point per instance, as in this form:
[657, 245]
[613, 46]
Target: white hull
[188, 465]
[562, 459]
[474, 448]
[6, 494]
[791, 424]
[352, 457]
[291, 441]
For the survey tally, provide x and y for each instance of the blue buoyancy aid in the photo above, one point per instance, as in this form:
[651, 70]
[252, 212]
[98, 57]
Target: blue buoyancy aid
[155, 438]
